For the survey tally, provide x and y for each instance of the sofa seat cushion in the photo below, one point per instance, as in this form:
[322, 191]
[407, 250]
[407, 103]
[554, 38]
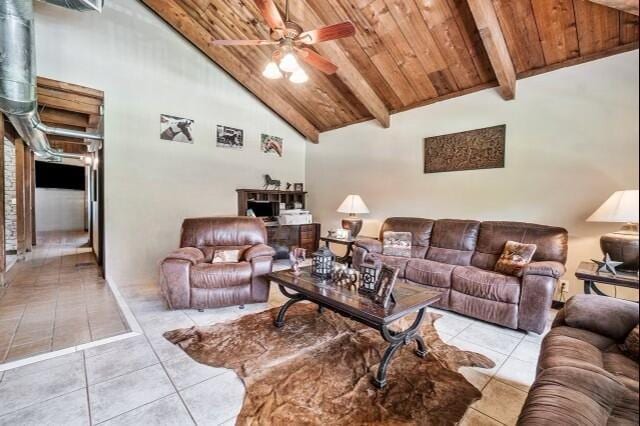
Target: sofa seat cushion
[393, 261]
[575, 396]
[220, 275]
[486, 284]
[428, 272]
[565, 346]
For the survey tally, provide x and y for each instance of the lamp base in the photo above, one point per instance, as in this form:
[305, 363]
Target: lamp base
[623, 246]
[353, 224]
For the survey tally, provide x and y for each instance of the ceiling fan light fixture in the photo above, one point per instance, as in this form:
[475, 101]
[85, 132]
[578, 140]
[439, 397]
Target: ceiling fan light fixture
[299, 76]
[271, 71]
[289, 63]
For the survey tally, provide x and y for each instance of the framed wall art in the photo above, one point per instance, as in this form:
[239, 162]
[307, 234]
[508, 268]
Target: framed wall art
[176, 129]
[470, 150]
[229, 137]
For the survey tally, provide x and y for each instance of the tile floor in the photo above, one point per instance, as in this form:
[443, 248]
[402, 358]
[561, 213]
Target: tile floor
[147, 380]
[55, 299]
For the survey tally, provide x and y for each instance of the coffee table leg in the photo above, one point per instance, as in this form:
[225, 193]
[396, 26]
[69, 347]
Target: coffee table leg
[293, 298]
[397, 340]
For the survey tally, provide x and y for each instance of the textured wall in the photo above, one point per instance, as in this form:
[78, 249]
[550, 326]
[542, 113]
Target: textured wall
[9, 196]
[572, 140]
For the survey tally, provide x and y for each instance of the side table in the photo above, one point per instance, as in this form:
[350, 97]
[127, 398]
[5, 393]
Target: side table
[348, 242]
[588, 272]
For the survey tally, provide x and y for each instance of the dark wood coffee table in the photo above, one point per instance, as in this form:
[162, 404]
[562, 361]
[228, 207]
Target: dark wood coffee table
[348, 302]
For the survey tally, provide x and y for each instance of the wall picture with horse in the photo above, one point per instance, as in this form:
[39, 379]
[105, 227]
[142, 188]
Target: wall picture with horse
[228, 137]
[176, 129]
[271, 145]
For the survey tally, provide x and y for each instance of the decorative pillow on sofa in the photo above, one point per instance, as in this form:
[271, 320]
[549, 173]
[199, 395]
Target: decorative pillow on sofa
[396, 243]
[226, 256]
[514, 258]
[631, 345]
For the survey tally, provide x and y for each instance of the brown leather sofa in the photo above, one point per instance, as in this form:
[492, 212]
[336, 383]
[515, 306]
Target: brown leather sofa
[583, 377]
[457, 257]
[188, 279]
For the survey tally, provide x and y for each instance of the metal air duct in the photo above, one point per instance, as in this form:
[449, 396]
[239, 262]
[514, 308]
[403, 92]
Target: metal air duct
[18, 98]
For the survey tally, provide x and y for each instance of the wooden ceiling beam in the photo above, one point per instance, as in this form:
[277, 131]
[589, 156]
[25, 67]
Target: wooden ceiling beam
[347, 72]
[493, 39]
[175, 16]
[629, 6]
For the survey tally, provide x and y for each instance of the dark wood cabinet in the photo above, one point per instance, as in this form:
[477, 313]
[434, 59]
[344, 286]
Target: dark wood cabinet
[283, 237]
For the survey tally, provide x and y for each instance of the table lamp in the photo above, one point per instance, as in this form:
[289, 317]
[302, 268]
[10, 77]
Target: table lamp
[353, 205]
[622, 245]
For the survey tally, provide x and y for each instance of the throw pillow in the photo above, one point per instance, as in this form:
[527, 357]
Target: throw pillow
[396, 243]
[514, 258]
[226, 256]
[631, 345]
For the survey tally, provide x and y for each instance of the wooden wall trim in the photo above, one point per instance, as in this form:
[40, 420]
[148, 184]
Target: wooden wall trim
[494, 43]
[20, 199]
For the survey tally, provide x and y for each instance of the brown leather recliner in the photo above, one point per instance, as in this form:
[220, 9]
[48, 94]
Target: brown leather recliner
[457, 258]
[583, 376]
[188, 279]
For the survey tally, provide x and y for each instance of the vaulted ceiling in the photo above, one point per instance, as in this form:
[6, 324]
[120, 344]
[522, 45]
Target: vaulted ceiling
[406, 53]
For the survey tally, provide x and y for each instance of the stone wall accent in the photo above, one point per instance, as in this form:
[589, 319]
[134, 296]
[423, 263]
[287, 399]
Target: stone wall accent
[9, 196]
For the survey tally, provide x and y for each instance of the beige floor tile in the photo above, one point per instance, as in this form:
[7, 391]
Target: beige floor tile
[475, 418]
[501, 402]
[519, 374]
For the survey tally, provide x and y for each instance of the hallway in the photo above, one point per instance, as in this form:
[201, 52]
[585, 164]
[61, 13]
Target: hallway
[56, 299]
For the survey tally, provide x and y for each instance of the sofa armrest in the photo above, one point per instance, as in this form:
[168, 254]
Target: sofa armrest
[547, 269]
[174, 282]
[370, 245]
[258, 250]
[190, 254]
[606, 316]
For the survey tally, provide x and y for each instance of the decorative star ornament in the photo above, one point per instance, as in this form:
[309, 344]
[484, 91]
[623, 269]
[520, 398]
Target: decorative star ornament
[607, 265]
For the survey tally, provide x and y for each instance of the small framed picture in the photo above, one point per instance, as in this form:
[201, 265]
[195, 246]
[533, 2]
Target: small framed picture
[298, 187]
[384, 287]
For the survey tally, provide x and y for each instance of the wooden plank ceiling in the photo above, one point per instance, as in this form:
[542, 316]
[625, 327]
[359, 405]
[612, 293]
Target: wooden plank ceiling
[68, 106]
[406, 53]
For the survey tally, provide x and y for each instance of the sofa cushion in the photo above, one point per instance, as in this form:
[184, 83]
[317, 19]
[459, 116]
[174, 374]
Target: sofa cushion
[420, 232]
[514, 258]
[566, 346]
[551, 242]
[210, 250]
[574, 396]
[631, 345]
[220, 275]
[486, 284]
[399, 263]
[453, 241]
[428, 272]
[396, 244]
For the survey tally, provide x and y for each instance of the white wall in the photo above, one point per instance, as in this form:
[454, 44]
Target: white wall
[572, 140]
[59, 209]
[146, 69]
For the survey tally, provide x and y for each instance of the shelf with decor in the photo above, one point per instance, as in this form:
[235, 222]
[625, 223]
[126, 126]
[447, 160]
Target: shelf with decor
[283, 237]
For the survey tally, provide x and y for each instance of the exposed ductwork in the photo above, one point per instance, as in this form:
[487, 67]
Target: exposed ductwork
[81, 5]
[18, 77]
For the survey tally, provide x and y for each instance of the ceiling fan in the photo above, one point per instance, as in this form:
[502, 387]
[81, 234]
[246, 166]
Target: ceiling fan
[291, 40]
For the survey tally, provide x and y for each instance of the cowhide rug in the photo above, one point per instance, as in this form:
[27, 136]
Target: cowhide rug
[317, 369]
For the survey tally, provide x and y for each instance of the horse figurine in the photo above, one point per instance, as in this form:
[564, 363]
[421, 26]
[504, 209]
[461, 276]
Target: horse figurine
[271, 182]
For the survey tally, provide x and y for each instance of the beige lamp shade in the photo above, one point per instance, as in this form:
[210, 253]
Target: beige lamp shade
[622, 207]
[353, 204]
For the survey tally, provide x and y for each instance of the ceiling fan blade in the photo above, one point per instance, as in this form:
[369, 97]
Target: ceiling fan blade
[331, 32]
[243, 42]
[317, 61]
[271, 14]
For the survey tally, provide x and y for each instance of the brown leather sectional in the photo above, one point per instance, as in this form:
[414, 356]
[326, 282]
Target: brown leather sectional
[188, 279]
[457, 257]
[583, 376]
